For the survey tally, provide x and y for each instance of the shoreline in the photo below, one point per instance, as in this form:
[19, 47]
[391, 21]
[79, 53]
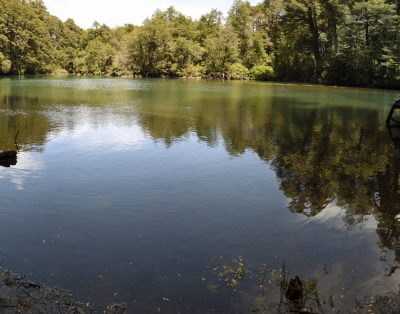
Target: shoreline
[195, 78]
[20, 295]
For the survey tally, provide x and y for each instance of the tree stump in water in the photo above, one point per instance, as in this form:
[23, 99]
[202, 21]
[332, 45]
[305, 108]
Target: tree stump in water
[295, 291]
[8, 158]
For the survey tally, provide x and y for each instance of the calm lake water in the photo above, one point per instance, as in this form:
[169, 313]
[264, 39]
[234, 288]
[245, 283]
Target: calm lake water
[140, 191]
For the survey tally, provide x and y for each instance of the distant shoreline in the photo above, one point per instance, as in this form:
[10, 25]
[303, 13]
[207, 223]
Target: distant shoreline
[87, 76]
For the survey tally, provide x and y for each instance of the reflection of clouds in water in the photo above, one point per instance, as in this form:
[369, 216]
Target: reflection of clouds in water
[344, 274]
[379, 283]
[337, 217]
[76, 115]
[108, 137]
[28, 164]
[343, 280]
[86, 127]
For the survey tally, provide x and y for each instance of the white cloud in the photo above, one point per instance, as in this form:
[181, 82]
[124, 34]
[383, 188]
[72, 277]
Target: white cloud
[119, 12]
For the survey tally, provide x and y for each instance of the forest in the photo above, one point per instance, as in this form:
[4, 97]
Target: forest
[342, 42]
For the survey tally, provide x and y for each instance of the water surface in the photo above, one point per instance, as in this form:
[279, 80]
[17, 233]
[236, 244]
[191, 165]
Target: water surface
[139, 191]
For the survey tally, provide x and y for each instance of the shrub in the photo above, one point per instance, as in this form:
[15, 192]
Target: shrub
[262, 72]
[192, 71]
[238, 71]
[59, 72]
[5, 66]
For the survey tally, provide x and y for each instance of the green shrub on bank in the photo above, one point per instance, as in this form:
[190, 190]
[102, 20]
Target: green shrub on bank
[238, 71]
[262, 72]
[192, 71]
[5, 66]
[60, 72]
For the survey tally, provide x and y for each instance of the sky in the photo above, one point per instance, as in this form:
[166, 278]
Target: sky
[119, 12]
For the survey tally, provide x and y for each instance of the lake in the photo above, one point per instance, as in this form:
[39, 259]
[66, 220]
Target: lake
[155, 192]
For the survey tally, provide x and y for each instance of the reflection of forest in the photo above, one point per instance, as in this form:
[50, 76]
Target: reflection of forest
[16, 114]
[321, 153]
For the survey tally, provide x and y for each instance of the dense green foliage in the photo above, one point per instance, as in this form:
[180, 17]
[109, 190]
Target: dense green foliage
[353, 42]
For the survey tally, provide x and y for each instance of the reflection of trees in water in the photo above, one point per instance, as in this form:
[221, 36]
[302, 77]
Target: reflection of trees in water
[387, 201]
[16, 114]
[35, 111]
[33, 129]
[342, 156]
[321, 154]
